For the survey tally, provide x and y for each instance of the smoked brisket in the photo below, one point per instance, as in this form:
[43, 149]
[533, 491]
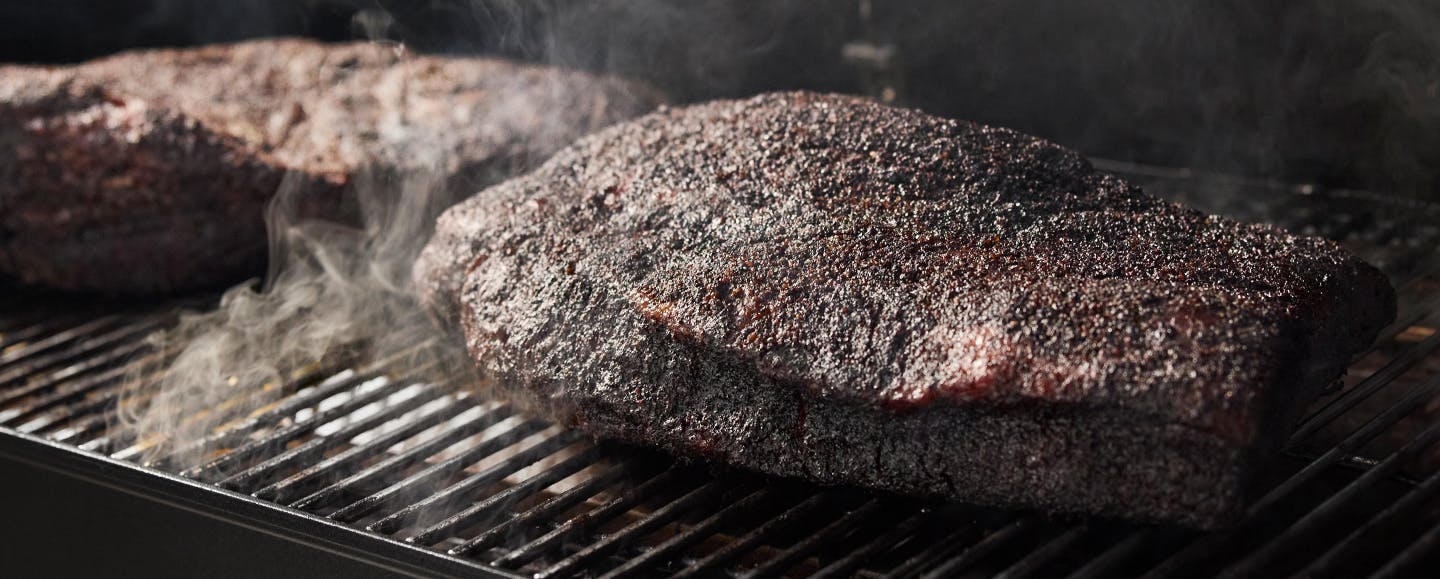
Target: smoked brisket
[149, 171]
[828, 288]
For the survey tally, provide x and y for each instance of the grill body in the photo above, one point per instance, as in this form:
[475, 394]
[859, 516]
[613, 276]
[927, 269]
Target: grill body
[373, 471]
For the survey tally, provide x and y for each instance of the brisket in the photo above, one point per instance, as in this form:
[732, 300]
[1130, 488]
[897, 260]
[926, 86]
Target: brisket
[827, 288]
[150, 171]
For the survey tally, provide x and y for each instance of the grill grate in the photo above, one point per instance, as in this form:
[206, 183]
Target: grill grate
[452, 483]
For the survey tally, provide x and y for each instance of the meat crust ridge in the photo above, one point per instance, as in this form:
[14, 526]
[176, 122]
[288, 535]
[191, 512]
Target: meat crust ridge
[149, 172]
[825, 287]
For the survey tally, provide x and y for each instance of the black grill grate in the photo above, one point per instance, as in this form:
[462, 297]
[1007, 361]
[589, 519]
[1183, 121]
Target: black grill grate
[472, 486]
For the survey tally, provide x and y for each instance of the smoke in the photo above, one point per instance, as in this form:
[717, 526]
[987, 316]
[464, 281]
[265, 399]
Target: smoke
[1399, 78]
[336, 294]
[339, 290]
[1343, 93]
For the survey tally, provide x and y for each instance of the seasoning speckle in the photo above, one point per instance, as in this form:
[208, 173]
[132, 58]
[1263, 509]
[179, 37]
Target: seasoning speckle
[960, 310]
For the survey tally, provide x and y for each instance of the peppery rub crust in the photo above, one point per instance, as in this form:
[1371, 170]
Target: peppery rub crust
[149, 171]
[824, 287]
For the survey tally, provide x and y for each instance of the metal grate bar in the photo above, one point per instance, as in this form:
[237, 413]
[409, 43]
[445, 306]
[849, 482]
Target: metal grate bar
[940, 549]
[748, 542]
[435, 472]
[1403, 321]
[60, 396]
[1032, 562]
[28, 364]
[429, 479]
[84, 352]
[834, 531]
[581, 523]
[91, 418]
[75, 410]
[280, 436]
[1393, 369]
[33, 328]
[548, 443]
[555, 505]
[1311, 520]
[1340, 451]
[981, 549]
[316, 447]
[331, 469]
[444, 439]
[673, 546]
[489, 506]
[79, 432]
[70, 372]
[312, 386]
[12, 324]
[1206, 545]
[638, 529]
[1408, 505]
[1104, 564]
[1405, 563]
[1424, 267]
[22, 352]
[843, 566]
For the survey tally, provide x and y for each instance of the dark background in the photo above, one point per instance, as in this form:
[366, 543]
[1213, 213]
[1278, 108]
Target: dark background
[1340, 92]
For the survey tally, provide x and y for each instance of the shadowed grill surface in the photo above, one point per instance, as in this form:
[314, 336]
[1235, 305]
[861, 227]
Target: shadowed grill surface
[480, 489]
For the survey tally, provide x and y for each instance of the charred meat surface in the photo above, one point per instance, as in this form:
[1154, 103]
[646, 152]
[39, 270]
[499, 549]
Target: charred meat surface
[149, 171]
[828, 288]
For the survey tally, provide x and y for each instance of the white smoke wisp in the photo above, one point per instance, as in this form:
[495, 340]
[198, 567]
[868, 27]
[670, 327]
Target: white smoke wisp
[336, 292]
[434, 130]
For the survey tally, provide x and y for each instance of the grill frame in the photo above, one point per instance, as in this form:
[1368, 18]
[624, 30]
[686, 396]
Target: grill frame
[1043, 543]
[177, 492]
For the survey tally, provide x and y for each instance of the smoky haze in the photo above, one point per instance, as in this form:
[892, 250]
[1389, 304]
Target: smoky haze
[335, 293]
[1340, 93]
[339, 292]
[1343, 93]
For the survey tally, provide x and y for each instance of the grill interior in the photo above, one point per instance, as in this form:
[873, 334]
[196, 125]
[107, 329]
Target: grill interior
[457, 484]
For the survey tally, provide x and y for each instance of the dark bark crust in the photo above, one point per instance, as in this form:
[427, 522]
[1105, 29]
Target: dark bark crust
[149, 172]
[824, 287]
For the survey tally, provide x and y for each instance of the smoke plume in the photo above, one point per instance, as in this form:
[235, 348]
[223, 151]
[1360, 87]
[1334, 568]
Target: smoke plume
[1344, 93]
[335, 293]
